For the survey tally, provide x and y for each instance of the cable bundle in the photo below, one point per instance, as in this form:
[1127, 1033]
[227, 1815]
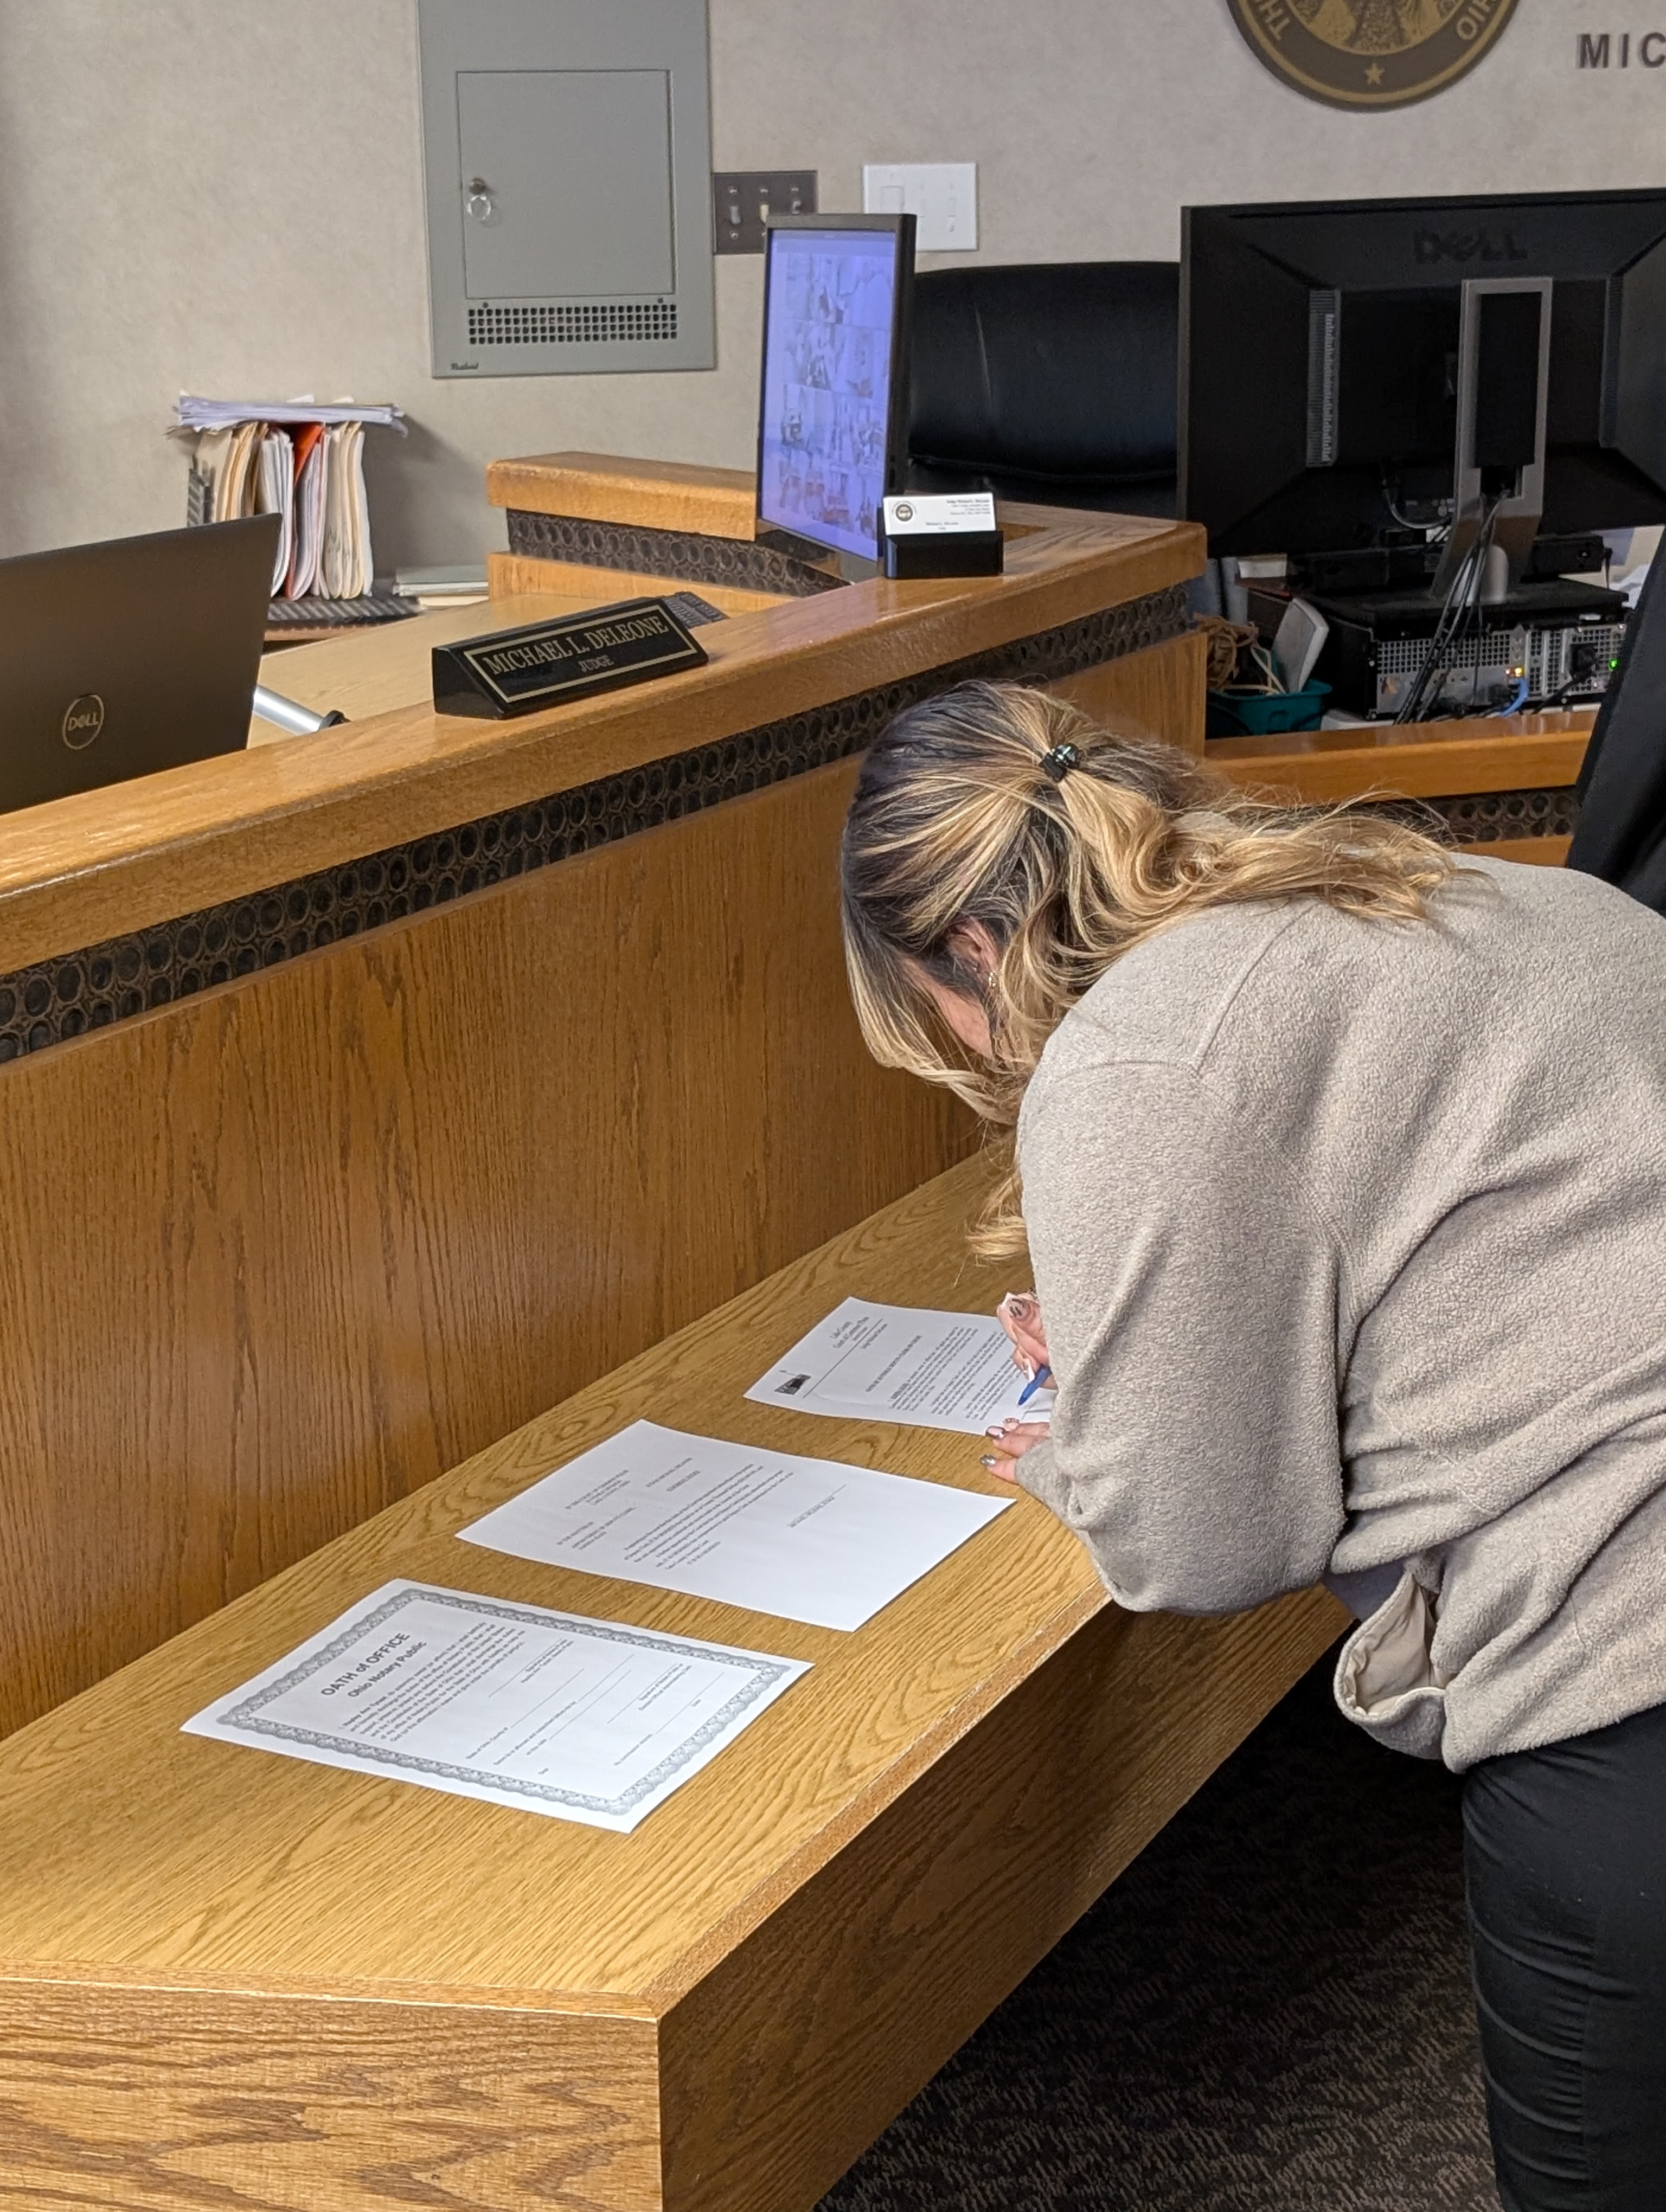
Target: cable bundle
[1228, 643]
[1462, 600]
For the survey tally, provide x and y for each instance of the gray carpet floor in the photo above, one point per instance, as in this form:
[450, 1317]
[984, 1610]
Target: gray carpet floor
[1270, 2009]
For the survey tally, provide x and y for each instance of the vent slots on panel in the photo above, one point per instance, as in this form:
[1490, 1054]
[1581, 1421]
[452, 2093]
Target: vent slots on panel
[647, 320]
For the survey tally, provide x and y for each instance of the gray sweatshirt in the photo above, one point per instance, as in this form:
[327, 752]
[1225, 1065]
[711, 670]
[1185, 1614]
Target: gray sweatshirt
[1350, 1239]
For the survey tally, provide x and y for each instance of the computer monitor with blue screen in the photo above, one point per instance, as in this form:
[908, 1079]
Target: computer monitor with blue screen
[832, 426]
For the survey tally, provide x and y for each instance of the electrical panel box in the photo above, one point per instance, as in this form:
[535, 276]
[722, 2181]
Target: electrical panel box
[567, 149]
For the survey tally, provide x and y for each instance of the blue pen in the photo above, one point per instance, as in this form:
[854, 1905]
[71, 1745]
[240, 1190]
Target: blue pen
[1041, 1375]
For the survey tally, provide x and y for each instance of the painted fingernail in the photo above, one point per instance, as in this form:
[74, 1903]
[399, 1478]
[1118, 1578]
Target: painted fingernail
[989, 1461]
[996, 1432]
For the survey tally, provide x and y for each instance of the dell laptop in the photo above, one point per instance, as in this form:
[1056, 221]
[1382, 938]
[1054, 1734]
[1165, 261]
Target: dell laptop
[120, 659]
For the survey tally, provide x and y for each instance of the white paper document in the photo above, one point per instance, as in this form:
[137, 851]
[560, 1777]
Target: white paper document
[809, 1538]
[586, 1720]
[928, 1369]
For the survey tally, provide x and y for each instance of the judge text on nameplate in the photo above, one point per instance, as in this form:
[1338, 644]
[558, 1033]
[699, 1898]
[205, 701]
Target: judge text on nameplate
[516, 671]
[546, 1713]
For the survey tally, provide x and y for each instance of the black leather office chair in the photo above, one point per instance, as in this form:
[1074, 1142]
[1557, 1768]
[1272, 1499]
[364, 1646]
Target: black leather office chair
[1054, 382]
[1622, 832]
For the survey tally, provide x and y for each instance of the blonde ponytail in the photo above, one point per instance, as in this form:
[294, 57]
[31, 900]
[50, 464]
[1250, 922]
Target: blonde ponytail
[1010, 809]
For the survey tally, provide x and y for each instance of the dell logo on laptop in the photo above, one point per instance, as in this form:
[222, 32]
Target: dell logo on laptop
[83, 718]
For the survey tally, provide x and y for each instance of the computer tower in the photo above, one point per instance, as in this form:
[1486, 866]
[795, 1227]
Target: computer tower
[1549, 644]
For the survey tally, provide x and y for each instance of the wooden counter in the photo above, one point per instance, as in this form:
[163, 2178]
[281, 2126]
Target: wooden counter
[596, 522]
[123, 857]
[230, 1979]
[366, 1092]
[385, 665]
[582, 521]
[1503, 783]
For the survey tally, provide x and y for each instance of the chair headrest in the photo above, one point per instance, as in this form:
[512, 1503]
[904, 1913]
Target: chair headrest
[1059, 370]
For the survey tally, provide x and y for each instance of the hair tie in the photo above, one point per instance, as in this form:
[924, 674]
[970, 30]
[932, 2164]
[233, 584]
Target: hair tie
[1059, 763]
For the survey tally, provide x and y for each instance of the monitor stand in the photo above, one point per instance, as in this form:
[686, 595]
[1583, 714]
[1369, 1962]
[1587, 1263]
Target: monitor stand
[1502, 395]
[846, 567]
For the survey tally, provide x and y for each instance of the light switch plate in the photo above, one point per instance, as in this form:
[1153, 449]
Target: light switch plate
[941, 196]
[743, 198]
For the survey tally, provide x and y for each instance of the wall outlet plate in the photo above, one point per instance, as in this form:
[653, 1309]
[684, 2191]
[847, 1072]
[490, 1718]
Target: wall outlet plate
[940, 196]
[743, 200]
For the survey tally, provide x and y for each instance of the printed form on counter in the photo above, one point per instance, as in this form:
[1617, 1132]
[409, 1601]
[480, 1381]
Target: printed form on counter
[811, 1539]
[909, 1363]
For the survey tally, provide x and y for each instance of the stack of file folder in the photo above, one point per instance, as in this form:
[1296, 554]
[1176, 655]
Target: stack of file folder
[298, 460]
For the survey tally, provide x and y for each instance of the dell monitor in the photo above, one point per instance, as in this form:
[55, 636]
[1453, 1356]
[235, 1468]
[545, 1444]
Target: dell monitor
[1368, 373]
[833, 419]
[120, 659]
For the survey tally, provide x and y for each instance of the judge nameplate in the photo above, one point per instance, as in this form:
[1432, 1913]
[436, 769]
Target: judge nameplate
[513, 672]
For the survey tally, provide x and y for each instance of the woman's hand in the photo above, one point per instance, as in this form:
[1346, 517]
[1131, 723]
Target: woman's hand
[1009, 1440]
[1020, 1315]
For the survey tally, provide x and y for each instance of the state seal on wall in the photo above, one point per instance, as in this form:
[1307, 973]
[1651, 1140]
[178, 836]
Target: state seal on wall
[1371, 53]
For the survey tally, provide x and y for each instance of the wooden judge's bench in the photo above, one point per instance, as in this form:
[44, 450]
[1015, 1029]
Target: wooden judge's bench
[366, 1093]
[435, 1094]
[1502, 783]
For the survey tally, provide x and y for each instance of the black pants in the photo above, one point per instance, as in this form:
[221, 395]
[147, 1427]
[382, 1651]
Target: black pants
[1565, 1851]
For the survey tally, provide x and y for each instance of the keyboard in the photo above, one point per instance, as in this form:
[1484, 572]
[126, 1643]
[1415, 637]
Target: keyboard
[316, 612]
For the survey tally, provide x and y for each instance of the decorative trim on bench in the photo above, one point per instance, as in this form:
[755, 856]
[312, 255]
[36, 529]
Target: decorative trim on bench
[687, 556]
[58, 999]
[1490, 818]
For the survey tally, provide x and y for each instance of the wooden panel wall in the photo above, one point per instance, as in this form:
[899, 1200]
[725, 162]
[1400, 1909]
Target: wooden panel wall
[276, 1255]
[1158, 693]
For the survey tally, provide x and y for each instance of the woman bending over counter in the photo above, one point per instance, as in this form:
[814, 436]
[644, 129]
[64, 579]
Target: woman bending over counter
[1341, 1163]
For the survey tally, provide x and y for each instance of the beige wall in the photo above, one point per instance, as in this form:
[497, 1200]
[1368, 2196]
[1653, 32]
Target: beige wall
[224, 195]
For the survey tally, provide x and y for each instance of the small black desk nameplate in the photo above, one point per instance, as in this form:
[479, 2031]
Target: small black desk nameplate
[515, 672]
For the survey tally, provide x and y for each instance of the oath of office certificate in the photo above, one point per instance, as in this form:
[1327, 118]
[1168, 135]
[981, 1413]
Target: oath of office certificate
[548, 1712]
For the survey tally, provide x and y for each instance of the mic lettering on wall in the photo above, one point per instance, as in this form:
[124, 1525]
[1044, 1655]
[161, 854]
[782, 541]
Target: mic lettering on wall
[1371, 53]
[1620, 50]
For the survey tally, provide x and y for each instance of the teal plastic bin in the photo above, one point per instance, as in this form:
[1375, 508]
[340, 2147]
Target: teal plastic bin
[1251, 714]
